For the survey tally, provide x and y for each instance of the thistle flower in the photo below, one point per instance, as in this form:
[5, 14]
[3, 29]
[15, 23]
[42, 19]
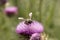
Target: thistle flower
[2, 2]
[29, 27]
[10, 11]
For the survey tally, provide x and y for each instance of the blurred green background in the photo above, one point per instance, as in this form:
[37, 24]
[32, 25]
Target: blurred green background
[45, 11]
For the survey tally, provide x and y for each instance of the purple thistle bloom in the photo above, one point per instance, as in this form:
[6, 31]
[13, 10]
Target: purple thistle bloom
[29, 27]
[35, 36]
[10, 11]
[2, 2]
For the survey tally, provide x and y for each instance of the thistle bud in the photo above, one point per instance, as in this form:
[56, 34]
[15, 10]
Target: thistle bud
[35, 36]
[11, 11]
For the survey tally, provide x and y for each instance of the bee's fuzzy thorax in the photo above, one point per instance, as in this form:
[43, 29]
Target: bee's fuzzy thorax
[3, 2]
[28, 22]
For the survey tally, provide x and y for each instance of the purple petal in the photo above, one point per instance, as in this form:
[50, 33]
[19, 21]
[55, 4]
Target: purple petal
[11, 9]
[21, 28]
[36, 27]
